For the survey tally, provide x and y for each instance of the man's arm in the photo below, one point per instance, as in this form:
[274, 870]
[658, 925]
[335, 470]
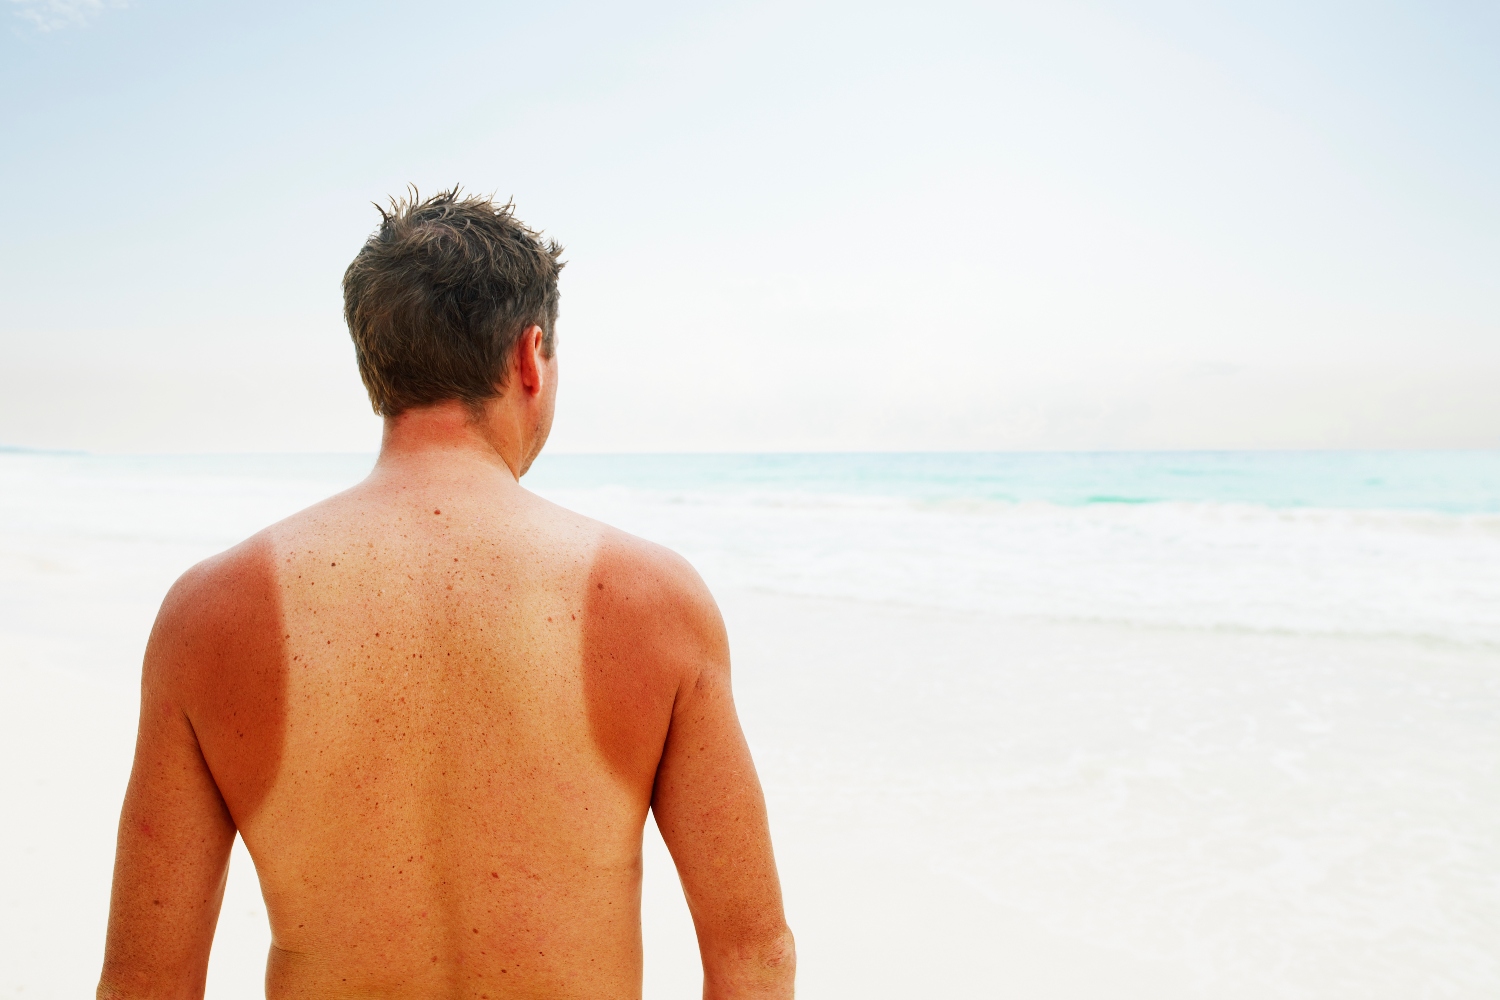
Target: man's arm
[712, 815]
[172, 856]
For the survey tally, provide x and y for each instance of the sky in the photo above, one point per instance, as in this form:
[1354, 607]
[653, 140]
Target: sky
[789, 226]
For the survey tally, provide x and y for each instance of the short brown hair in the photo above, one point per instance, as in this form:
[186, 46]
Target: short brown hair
[438, 295]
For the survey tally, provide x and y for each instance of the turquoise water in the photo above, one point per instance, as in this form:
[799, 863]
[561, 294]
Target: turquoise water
[1447, 481]
[1454, 482]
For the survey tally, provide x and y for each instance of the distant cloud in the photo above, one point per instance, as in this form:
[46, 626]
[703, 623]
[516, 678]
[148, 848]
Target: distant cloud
[50, 15]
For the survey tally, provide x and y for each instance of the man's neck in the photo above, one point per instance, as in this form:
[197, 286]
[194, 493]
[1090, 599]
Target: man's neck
[448, 435]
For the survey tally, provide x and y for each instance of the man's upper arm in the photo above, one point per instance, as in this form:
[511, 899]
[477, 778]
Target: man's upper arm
[175, 833]
[712, 815]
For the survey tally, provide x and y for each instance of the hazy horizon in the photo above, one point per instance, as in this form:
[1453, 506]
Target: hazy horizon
[789, 227]
[372, 452]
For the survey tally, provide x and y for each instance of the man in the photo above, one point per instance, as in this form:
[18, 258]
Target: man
[436, 707]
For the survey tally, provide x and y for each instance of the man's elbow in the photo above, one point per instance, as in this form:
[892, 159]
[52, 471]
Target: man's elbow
[117, 985]
[113, 989]
[778, 955]
[763, 967]
[108, 989]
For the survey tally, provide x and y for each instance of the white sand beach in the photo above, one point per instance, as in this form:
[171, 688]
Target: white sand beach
[868, 925]
[966, 802]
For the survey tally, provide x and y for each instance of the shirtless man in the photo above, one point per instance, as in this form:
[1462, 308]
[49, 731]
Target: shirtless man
[437, 707]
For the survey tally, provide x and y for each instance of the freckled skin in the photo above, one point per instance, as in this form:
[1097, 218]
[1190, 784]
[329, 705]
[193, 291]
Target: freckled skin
[438, 708]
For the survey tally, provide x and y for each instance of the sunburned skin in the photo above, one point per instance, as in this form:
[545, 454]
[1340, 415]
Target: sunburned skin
[438, 708]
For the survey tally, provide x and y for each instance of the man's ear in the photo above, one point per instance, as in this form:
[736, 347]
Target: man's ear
[531, 366]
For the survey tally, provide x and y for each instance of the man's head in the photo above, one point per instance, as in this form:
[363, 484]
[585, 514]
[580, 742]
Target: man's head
[440, 296]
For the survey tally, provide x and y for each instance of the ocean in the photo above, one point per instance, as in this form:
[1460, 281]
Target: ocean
[1234, 715]
[1347, 543]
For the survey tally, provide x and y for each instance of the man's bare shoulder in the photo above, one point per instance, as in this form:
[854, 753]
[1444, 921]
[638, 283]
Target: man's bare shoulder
[237, 580]
[644, 568]
[649, 572]
[644, 590]
[218, 584]
[220, 610]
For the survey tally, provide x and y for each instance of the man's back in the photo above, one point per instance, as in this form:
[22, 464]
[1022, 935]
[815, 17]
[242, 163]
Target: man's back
[469, 734]
[437, 707]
